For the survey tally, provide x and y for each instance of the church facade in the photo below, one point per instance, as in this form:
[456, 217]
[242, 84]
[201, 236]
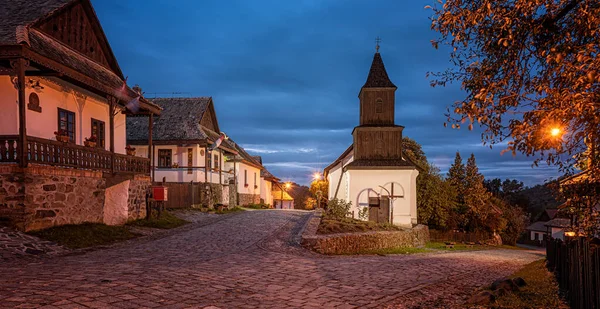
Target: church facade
[372, 173]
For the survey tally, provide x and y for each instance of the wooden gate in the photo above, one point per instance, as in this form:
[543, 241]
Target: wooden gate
[182, 195]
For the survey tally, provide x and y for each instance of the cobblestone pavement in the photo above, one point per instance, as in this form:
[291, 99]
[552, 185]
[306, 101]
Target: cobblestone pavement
[18, 245]
[249, 260]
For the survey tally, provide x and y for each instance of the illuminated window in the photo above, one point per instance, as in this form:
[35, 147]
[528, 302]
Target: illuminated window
[66, 123]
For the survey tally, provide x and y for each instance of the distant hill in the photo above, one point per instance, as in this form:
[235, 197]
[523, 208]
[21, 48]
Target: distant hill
[540, 198]
[300, 193]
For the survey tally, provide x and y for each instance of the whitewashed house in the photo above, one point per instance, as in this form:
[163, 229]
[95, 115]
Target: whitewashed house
[281, 198]
[246, 171]
[182, 137]
[60, 86]
[372, 173]
[267, 180]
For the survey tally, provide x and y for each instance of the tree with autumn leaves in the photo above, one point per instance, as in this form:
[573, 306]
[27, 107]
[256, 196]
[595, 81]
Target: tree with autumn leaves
[476, 209]
[530, 72]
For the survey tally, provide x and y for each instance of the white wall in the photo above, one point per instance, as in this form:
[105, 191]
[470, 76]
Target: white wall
[540, 235]
[558, 233]
[404, 209]
[284, 205]
[334, 177]
[9, 117]
[240, 167]
[59, 94]
[179, 156]
[266, 187]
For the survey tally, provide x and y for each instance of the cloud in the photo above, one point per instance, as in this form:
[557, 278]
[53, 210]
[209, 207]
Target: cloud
[285, 75]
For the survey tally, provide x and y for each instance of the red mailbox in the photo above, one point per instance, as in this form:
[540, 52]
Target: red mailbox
[160, 193]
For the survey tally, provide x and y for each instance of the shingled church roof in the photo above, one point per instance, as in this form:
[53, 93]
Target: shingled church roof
[378, 77]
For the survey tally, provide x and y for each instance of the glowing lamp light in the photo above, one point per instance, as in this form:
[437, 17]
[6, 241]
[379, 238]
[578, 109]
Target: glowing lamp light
[555, 132]
[287, 185]
[570, 234]
[317, 176]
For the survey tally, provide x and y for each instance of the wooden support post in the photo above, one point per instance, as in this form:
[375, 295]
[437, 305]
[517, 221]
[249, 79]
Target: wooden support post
[206, 167]
[112, 106]
[150, 146]
[220, 166]
[19, 65]
[152, 163]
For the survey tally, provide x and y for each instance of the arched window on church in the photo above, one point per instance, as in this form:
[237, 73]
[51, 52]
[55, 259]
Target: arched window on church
[379, 106]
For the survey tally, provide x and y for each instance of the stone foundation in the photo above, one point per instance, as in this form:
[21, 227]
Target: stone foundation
[353, 243]
[136, 204]
[41, 196]
[247, 199]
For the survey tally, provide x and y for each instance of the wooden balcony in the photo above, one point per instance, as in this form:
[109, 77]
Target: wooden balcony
[55, 153]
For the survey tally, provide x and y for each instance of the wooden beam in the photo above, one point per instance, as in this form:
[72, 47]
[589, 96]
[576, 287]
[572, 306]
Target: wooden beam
[19, 65]
[112, 101]
[220, 166]
[43, 73]
[150, 146]
[206, 169]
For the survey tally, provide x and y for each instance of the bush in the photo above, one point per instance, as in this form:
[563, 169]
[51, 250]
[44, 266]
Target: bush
[338, 209]
[258, 206]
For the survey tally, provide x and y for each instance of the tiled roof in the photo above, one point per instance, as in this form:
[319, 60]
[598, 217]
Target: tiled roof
[244, 155]
[15, 13]
[264, 173]
[378, 77]
[179, 120]
[277, 195]
[339, 159]
[16, 17]
[559, 222]
[539, 226]
[381, 163]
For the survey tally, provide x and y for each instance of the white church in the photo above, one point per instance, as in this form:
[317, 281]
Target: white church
[372, 173]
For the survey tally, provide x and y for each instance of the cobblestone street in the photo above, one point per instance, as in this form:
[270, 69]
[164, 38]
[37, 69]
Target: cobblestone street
[248, 260]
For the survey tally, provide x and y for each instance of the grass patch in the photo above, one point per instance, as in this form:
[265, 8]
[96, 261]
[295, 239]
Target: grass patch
[399, 250]
[85, 235]
[457, 247]
[541, 290]
[229, 210]
[350, 225]
[166, 221]
[257, 206]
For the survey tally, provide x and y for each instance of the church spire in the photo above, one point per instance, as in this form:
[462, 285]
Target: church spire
[378, 77]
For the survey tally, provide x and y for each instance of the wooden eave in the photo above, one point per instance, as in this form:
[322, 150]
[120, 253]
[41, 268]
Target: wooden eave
[97, 29]
[66, 73]
[247, 162]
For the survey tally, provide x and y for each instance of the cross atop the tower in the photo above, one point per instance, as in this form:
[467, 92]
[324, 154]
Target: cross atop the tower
[377, 41]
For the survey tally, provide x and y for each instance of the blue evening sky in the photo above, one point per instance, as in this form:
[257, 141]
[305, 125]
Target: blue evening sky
[285, 75]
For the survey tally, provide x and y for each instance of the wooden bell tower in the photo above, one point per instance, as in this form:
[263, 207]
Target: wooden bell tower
[377, 139]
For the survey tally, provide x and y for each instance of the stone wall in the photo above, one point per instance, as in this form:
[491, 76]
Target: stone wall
[353, 243]
[12, 194]
[246, 199]
[44, 196]
[136, 205]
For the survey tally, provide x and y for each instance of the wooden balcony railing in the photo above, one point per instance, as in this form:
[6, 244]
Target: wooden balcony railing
[49, 152]
[8, 148]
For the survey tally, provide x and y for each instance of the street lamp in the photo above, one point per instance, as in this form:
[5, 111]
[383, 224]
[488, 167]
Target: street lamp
[317, 176]
[555, 132]
[285, 187]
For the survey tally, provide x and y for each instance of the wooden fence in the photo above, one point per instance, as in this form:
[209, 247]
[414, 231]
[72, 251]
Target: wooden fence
[576, 264]
[455, 236]
[183, 195]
